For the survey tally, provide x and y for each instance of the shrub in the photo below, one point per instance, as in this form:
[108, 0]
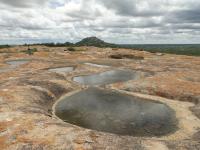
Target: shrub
[126, 56]
[71, 49]
[31, 51]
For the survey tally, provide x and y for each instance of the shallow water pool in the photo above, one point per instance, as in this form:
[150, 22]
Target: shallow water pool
[113, 112]
[17, 63]
[62, 70]
[107, 77]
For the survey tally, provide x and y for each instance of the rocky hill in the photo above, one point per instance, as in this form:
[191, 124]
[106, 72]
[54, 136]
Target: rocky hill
[94, 41]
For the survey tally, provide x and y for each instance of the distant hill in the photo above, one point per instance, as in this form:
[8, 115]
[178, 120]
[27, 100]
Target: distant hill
[179, 49]
[94, 41]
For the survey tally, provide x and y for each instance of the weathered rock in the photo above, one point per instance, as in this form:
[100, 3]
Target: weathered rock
[28, 93]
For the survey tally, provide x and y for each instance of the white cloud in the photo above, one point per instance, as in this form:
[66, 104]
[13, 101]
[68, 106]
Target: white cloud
[127, 21]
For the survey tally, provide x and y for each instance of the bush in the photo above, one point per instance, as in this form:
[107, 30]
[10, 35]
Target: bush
[31, 51]
[4, 46]
[71, 49]
[126, 56]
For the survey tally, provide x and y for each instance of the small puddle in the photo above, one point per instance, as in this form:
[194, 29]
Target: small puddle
[13, 64]
[107, 77]
[117, 113]
[62, 70]
[17, 63]
[97, 65]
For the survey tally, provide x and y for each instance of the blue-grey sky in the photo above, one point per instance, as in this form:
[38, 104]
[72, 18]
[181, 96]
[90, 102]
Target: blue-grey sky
[116, 21]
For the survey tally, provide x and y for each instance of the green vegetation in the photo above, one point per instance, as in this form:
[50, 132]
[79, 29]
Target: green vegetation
[4, 46]
[66, 44]
[71, 49]
[124, 56]
[31, 51]
[178, 49]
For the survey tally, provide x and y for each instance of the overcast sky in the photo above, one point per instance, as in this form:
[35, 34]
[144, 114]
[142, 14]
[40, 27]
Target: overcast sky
[117, 21]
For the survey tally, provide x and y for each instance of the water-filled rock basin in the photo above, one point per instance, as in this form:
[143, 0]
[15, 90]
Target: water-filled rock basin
[62, 69]
[13, 64]
[107, 77]
[17, 63]
[118, 113]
